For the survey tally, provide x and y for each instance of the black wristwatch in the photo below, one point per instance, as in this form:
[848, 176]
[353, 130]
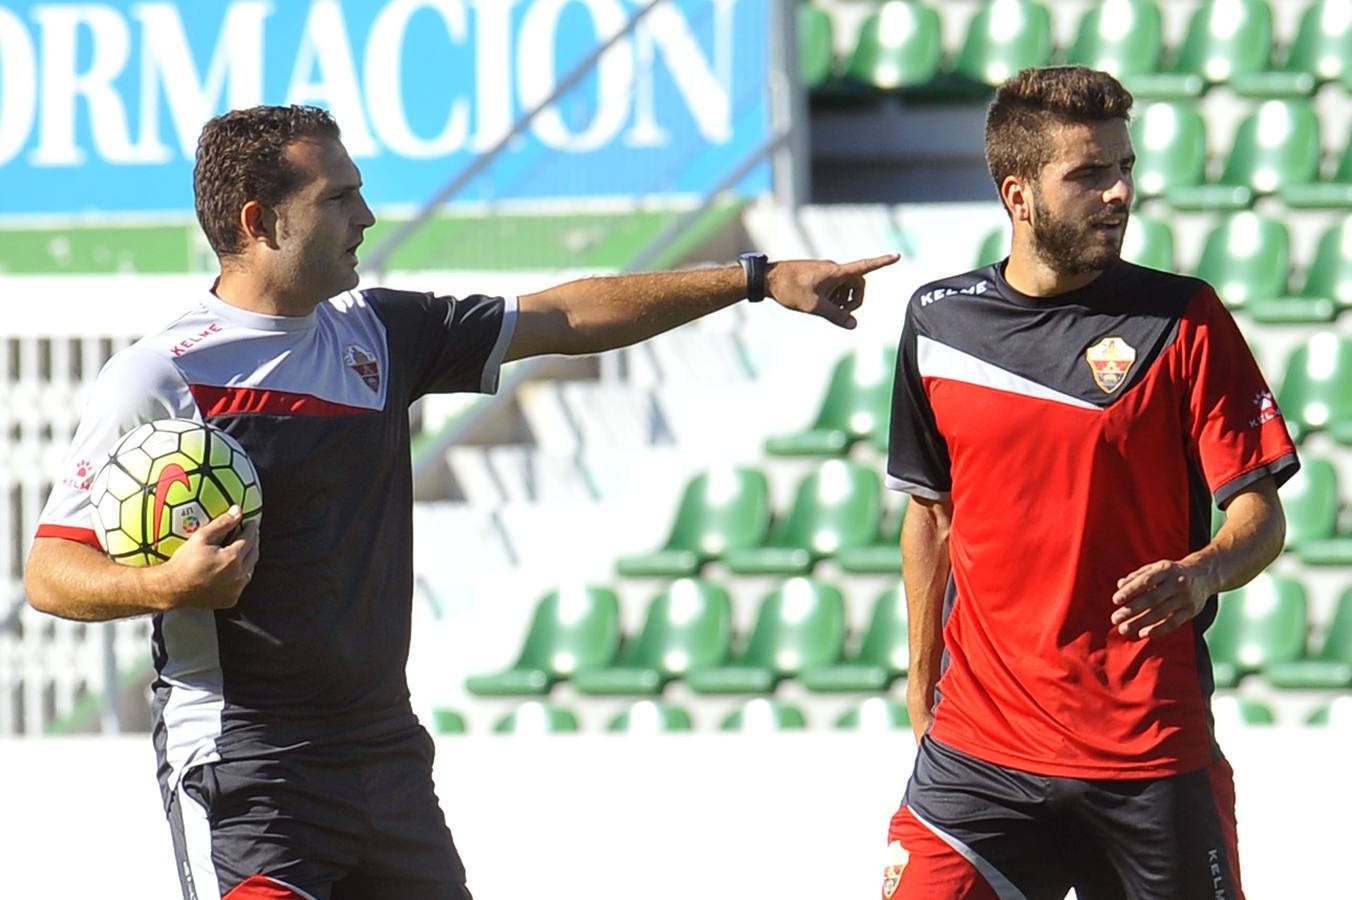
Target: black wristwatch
[755, 265]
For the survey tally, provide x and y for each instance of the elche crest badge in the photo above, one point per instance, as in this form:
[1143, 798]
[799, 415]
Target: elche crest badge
[364, 363]
[897, 858]
[1109, 362]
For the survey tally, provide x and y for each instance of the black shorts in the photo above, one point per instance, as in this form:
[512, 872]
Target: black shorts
[321, 823]
[970, 829]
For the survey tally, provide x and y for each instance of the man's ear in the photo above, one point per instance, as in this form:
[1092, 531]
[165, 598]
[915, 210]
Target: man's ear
[259, 224]
[1018, 198]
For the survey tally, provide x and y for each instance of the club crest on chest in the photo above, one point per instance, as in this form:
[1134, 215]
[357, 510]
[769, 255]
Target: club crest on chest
[365, 364]
[1109, 362]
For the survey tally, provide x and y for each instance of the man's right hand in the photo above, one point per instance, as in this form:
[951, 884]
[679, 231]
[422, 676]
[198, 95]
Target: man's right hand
[921, 710]
[214, 565]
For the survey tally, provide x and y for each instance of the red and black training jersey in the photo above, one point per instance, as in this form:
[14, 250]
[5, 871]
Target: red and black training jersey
[315, 650]
[1079, 437]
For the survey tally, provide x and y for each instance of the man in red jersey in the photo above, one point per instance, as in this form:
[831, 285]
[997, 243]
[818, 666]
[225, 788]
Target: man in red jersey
[1063, 422]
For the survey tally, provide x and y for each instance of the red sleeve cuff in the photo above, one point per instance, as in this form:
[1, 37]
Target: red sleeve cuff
[68, 533]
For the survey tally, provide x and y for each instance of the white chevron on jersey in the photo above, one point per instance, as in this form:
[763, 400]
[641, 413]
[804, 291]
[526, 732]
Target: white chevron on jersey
[936, 360]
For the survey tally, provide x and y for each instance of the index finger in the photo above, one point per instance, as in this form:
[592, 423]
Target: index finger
[863, 266]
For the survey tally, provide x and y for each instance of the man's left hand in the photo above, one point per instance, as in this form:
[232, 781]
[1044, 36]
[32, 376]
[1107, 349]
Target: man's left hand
[823, 288]
[1159, 597]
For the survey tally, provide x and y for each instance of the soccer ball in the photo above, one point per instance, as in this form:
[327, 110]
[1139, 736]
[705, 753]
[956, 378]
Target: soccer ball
[162, 481]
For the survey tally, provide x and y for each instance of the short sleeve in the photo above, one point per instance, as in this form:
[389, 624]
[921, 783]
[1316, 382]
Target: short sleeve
[1233, 420]
[134, 387]
[917, 454]
[448, 344]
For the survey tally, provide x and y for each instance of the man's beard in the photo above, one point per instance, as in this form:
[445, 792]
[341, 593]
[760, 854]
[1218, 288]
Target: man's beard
[1074, 248]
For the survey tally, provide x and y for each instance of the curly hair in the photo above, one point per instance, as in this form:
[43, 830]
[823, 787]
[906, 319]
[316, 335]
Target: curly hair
[241, 156]
[1029, 105]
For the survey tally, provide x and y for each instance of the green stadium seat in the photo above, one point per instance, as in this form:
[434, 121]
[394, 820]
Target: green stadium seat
[1310, 501]
[800, 625]
[573, 629]
[857, 405]
[1246, 257]
[1337, 713]
[1277, 144]
[1149, 242]
[1170, 144]
[651, 717]
[898, 47]
[1330, 274]
[688, 626]
[1231, 710]
[1335, 193]
[883, 556]
[535, 717]
[1331, 667]
[1120, 37]
[721, 509]
[1262, 623]
[836, 506]
[816, 45]
[1321, 52]
[1225, 39]
[876, 714]
[1312, 510]
[762, 715]
[882, 657]
[448, 721]
[1004, 37]
[1316, 389]
[994, 247]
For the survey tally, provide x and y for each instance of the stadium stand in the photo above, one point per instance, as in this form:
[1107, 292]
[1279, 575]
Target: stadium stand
[1260, 624]
[535, 717]
[613, 456]
[688, 627]
[574, 628]
[856, 407]
[882, 656]
[875, 714]
[651, 717]
[725, 508]
[760, 715]
[800, 624]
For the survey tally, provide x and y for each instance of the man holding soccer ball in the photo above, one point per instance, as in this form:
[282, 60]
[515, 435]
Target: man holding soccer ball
[291, 763]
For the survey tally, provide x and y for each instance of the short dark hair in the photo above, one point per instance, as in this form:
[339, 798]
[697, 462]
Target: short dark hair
[241, 156]
[1033, 102]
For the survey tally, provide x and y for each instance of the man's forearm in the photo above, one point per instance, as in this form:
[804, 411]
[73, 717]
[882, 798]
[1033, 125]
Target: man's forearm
[925, 570]
[74, 581]
[602, 313]
[1247, 543]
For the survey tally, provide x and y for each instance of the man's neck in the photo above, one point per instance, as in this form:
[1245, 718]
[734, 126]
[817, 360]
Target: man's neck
[255, 294]
[1029, 275]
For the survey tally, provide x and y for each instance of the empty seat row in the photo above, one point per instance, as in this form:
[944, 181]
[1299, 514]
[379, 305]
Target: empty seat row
[762, 715]
[1277, 149]
[800, 631]
[1247, 258]
[1229, 42]
[1263, 627]
[757, 715]
[724, 514]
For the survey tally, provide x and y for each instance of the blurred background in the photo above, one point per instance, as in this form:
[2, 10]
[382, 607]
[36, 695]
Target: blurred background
[659, 628]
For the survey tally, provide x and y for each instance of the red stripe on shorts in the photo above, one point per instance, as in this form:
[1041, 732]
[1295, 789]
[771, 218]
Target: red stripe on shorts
[1223, 789]
[261, 887]
[934, 871]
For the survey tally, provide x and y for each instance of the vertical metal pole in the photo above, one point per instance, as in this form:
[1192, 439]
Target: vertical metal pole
[788, 108]
[110, 717]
